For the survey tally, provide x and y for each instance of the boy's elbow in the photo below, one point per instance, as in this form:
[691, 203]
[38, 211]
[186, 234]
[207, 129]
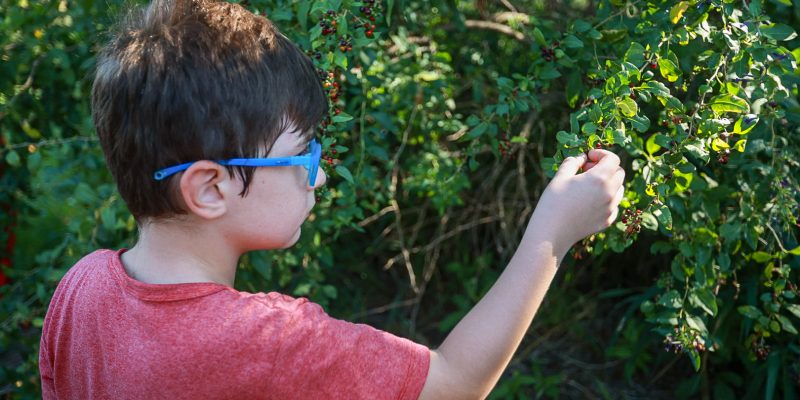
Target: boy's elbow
[448, 382]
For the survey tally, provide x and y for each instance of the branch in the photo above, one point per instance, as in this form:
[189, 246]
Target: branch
[497, 27]
[22, 89]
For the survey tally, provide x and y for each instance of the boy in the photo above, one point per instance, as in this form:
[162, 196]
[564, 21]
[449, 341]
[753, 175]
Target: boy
[205, 114]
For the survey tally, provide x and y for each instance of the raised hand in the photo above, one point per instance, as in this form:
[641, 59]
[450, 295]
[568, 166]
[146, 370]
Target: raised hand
[575, 205]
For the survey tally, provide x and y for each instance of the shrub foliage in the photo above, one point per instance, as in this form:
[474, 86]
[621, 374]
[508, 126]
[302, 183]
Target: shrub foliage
[446, 120]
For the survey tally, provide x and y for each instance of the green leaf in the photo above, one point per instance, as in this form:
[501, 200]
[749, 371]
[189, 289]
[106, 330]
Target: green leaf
[12, 158]
[345, 173]
[32, 132]
[745, 124]
[574, 86]
[787, 325]
[627, 107]
[749, 312]
[572, 42]
[549, 72]
[694, 357]
[718, 144]
[705, 299]
[697, 324]
[761, 257]
[640, 123]
[342, 117]
[664, 217]
[651, 146]
[773, 365]
[478, 130]
[537, 35]
[569, 139]
[656, 88]
[635, 54]
[668, 69]
[671, 299]
[589, 128]
[649, 221]
[340, 59]
[778, 32]
[696, 149]
[581, 26]
[729, 103]
[473, 120]
[794, 309]
[389, 7]
[677, 11]
[795, 251]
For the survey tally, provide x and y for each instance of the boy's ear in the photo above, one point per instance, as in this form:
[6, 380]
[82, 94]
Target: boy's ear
[205, 188]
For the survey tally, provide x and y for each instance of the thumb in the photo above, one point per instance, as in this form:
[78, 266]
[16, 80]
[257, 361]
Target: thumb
[570, 166]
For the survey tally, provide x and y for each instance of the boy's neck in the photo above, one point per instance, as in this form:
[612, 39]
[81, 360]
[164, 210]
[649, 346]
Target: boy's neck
[168, 254]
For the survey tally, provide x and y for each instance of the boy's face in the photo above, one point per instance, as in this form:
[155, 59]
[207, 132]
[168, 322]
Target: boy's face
[278, 201]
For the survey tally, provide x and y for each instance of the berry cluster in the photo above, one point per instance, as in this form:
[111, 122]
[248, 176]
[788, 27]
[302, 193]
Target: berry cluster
[549, 53]
[346, 44]
[329, 156]
[369, 11]
[723, 155]
[633, 219]
[331, 86]
[322, 193]
[676, 343]
[328, 23]
[504, 146]
[760, 349]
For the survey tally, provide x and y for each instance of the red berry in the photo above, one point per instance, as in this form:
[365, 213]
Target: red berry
[653, 65]
[369, 33]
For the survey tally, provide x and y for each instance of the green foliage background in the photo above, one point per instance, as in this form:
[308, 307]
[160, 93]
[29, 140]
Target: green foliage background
[451, 116]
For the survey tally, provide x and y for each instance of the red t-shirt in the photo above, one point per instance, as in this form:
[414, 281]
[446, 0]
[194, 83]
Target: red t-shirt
[108, 336]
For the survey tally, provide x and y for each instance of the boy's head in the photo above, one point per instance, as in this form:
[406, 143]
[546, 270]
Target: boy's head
[188, 80]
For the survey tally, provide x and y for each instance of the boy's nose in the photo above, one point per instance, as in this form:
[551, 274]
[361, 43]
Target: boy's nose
[321, 178]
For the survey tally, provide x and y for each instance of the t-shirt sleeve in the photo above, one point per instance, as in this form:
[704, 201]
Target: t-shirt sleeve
[322, 357]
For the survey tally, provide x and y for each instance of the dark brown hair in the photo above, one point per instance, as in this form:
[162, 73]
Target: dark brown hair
[184, 80]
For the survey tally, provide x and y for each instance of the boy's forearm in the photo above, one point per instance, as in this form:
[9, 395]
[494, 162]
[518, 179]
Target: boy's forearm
[481, 345]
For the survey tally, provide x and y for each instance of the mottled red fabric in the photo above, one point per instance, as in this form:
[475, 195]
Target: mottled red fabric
[108, 336]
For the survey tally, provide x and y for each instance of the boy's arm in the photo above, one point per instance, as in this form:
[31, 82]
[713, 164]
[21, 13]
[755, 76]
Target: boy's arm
[473, 356]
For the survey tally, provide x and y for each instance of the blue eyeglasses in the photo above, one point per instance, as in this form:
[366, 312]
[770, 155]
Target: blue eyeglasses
[309, 160]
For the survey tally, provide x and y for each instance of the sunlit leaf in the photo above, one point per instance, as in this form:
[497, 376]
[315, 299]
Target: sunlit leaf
[677, 11]
[728, 103]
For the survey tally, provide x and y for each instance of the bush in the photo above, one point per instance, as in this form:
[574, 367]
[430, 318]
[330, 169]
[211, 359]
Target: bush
[446, 121]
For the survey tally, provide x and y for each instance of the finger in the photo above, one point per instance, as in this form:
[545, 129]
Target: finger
[571, 165]
[588, 165]
[604, 158]
[618, 197]
[615, 205]
[618, 178]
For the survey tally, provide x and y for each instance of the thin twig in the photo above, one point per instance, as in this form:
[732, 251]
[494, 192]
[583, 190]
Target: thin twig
[393, 200]
[22, 89]
[50, 142]
[497, 27]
